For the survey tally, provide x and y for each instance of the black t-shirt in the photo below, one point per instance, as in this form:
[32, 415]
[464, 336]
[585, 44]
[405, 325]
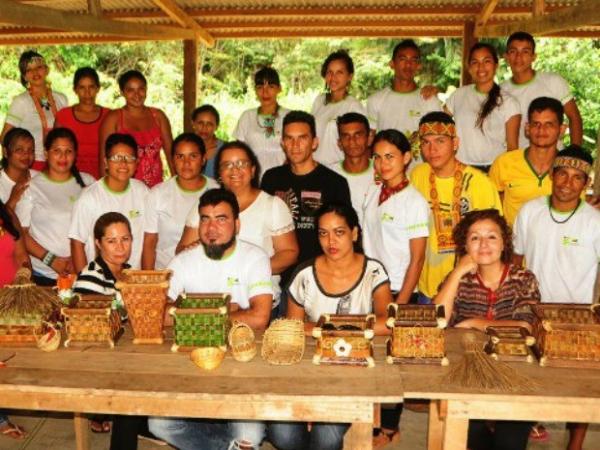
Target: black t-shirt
[304, 195]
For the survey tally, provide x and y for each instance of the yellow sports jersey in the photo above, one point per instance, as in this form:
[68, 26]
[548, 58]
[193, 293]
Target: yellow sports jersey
[478, 192]
[513, 175]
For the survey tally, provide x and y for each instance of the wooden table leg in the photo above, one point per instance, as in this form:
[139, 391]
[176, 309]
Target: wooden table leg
[82, 430]
[455, 433]
[435, 426]
[359, 437]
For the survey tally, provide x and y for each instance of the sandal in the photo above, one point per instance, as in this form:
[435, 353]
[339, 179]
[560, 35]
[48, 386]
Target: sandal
[382, 438]
[12, 431]
[538, 433]
[99, 427]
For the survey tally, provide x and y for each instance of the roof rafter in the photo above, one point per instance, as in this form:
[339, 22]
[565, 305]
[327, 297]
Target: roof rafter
[486, 12]
[94, 7]
[538, 7]
[173, 10]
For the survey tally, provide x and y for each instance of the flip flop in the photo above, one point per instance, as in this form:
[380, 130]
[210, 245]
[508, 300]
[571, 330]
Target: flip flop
[538, 433]
[13, 431]
[99, 427]
[383, 438]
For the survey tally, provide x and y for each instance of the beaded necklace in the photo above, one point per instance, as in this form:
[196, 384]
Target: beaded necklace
[47, 104]
[445, 221]
[268, 122]
[387, 192]
[568, 217]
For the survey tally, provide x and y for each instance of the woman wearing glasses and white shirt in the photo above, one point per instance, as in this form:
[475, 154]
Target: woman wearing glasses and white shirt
[117, 192]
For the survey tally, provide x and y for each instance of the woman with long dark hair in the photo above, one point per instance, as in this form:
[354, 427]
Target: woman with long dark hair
[17, 157]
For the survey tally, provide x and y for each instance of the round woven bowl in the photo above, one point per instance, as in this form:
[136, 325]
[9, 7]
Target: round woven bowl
[207, 358]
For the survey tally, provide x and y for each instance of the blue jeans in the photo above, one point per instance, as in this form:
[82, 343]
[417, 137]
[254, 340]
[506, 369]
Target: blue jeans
[194, 434]
[295, 435]
[3, 418]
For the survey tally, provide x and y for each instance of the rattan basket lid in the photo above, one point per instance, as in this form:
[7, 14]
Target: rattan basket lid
[283, 342]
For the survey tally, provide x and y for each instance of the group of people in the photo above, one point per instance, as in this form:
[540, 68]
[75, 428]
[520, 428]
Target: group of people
[342, 210]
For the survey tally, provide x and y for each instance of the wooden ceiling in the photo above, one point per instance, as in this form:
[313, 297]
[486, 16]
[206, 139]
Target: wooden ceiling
[33, 22]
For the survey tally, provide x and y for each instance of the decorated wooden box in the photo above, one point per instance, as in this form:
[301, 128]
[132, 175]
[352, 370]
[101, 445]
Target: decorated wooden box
[91, 320]
[344, 340]
[511, 344]
[201, 320]
[568, 334]
[145, 295]
[418, 335]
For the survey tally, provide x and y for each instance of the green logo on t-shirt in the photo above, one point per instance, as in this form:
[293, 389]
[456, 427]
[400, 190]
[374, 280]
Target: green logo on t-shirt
[385, 217]
[569, 241]
[133, 213]
[232, 281]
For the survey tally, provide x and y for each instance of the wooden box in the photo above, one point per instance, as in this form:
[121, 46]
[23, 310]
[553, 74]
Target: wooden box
[201, 320]
[20, 329]
[145, 296]
[92, 321]
[344, 340]
[511, 344]
[418, 335]
[568, 334]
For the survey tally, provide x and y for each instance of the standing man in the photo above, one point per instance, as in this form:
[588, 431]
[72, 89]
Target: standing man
[559, 236]
[452, 189]
[356, 167]
[522, 174]
[526, 85]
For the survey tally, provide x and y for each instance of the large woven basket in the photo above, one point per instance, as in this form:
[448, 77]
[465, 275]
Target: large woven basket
[201, 320]
[283, 342]
[241, 342]
[92, 321]
[145, 295]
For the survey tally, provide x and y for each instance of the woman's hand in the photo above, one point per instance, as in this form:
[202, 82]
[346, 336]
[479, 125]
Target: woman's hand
[17, 192]
[465, 265]
[477, 323]
[62, 266]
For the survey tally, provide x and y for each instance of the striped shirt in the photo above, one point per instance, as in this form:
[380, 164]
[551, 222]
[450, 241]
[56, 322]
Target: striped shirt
[96, 278]
[513, 299]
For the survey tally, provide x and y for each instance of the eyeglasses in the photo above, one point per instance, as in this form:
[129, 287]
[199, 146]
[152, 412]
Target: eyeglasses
[239, 164]
[129, 159]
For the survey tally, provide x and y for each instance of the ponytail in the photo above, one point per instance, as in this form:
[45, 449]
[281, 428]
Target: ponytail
[493, 100]
[77, 175]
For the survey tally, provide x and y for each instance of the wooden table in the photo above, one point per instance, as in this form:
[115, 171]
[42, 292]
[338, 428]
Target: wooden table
[150, 380]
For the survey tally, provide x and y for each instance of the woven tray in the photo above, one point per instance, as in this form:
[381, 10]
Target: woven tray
[201, 320]
[418, 335]
[92, 321]
[568, 334]
[514, 344]
[20, 330]
[145, 296]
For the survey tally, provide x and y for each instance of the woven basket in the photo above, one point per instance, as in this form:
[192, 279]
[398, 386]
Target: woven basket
[92, 321]
[207, 358]
[283, 342]
[145, 295]
[241, 342]
[201, 320]
[22, 329]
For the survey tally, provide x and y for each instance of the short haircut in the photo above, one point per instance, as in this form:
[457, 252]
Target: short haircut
[119, 138]
[213, 197]
[546, 103]
[348, 213]
[192, 138]
[406, 43]
[238, 145]
[340, 55]
[131, 75]
[300, 117]
[10, 139]
[352, 117]
[86, 72]
[209, 109]
[266, 75]
[106, 220]
[521, 36]
[462, 229]
[24, 60]
[436, 116]
[394, 137]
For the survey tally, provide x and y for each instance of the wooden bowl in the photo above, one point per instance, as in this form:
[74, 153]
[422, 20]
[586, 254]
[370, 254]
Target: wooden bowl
[207, 358]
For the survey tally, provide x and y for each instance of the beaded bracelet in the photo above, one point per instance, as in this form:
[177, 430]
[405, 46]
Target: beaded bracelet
[49, 258]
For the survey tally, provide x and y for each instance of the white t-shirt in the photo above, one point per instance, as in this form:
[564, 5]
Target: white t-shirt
[543, 84]
[328, 151]
[45, 209]
[389, 227]
[266, 217]
[307, 292]
[564, 257]
[358, 183]
[476, 147]
[399, 110]
[6, 184]
[98, 199]
[167, 206]
[22, 113]
[244, 274]
[267, 149]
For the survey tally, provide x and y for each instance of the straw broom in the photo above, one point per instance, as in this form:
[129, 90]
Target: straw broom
[24, 297]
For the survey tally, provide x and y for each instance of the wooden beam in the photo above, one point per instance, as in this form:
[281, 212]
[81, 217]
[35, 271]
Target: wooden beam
[486, 12]
[173, 10]
[585, 13]
[36, 16]
[469, 40]
[94, 8]
[190, 81]
[538, 7]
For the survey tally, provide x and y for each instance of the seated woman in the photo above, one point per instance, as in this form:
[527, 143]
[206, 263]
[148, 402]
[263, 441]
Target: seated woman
[341, 281]
[486, 289]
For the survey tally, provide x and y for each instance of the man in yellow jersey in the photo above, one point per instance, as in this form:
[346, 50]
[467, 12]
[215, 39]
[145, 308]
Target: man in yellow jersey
[522, 175]
[452, 189]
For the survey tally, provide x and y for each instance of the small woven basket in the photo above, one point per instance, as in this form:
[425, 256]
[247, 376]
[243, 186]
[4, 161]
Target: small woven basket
[92, 321]
[207, 358]
[145, 295]
[283, 342]
[241, 342]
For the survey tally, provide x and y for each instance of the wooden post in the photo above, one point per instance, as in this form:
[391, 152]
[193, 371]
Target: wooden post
[82, 426]
[468, 40]
[190, 80]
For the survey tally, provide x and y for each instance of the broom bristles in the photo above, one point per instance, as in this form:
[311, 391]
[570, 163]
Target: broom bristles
[24, 297]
